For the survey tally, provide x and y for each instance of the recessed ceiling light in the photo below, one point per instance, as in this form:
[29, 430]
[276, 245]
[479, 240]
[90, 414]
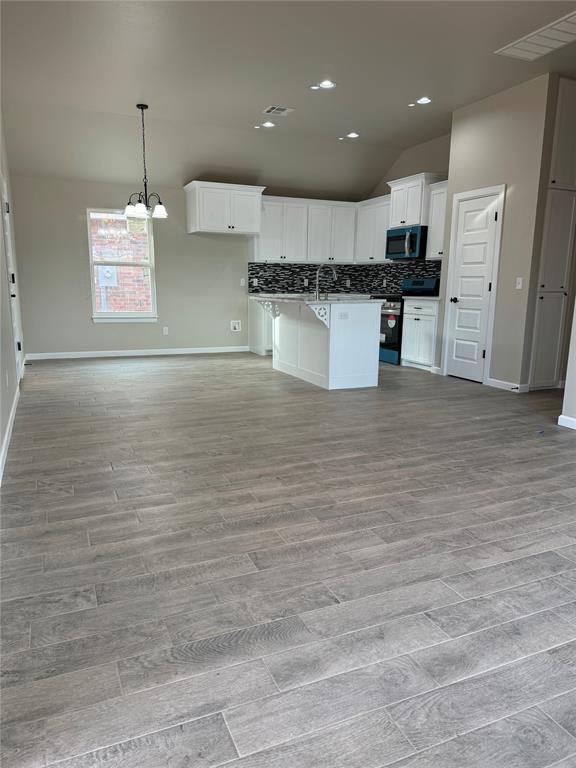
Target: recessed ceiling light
[424, 100]
[340, 138]
[353, 135]
[256, 126]
[412, 104]
[268, 124]
[325, 85]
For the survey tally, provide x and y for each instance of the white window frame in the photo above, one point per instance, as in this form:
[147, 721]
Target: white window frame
[122, 317]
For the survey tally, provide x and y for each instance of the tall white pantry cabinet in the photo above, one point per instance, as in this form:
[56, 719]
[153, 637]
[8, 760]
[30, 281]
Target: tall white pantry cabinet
[557, 271]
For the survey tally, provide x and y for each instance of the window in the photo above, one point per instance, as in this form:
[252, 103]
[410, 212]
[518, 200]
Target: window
[121, 267]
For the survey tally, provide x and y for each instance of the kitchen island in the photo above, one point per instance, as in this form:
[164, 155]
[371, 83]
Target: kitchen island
[332, 342]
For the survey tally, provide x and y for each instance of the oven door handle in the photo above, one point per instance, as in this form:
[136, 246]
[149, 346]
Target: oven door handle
[407, 244]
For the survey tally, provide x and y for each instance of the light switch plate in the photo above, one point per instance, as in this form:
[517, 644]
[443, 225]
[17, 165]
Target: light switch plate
[519, 283]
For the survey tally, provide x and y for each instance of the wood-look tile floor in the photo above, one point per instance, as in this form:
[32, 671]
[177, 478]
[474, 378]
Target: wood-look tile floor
[209, 563]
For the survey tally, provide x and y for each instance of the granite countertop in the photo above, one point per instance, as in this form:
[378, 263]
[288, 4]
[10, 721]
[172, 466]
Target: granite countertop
[309, 298]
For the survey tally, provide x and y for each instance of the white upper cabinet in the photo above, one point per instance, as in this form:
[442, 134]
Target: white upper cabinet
[563, 167]
[557, 241]
[224, 208]
[284, 231]
[373, 220]
[331, 230]
[436, 220]
[409, 200]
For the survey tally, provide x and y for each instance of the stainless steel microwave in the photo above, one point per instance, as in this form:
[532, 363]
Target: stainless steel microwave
[406, 242]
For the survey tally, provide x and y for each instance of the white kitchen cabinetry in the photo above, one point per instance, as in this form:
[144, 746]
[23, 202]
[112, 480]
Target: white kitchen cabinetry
[223, 208]
[419, 332]
[331, 230]
[284, 231]
[563, 166]
[547, 346]
[558, 240]
[409, 199]
[373, 219]
[436, 220]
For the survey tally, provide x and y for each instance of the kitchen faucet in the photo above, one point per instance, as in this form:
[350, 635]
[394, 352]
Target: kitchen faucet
[318, 271]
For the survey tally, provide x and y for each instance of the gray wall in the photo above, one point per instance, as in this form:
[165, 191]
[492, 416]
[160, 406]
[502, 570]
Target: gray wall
[428, 157]
[500, 140]
[197, 276]
[8, 379]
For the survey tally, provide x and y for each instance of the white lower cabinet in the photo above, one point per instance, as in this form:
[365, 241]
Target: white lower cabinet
[419, 332]
[547, 344]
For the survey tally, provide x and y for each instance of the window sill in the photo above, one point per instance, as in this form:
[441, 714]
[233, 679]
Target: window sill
[120, 319]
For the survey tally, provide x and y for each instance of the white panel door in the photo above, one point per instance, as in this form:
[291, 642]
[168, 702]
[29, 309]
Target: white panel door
[214, 209]
[414, 194]
[399, 203]
[270, 244]
[295, 232]
[372, 223]
[245, 209]
[343, 231]
[427, 339]
[563, 167]
[558, 240]
[469, 300]
[548, 327]
[436, 219]
[11, 279]
[319, 233]
[365, 234]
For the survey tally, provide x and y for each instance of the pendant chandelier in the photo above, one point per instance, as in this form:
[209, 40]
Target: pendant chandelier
[139, 204]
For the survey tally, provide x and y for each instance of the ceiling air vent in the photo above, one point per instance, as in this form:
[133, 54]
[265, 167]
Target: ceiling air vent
[277, 111]
[555, 35]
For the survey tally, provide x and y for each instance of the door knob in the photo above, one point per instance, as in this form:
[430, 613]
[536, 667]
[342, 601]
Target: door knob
[454, 299]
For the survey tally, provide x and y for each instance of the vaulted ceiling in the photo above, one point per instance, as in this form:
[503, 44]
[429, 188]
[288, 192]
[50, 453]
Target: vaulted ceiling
[73, 72]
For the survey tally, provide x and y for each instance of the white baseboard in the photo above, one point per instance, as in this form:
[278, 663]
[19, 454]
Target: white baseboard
[133, 353]
[437, 370]
[8, 435]
[508, 385]
[567, 421]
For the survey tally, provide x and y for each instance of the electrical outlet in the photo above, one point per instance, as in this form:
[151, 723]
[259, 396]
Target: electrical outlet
[384, 283]
[165, 330]
[242, 282]
[235, 325]
[347, 282]
[254, 282]
[519, 283]
[306, 282]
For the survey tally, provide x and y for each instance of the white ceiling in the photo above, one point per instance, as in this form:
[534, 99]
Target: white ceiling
[73, 72]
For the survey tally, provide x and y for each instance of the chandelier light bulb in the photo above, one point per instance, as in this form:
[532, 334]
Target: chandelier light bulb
[159, 212]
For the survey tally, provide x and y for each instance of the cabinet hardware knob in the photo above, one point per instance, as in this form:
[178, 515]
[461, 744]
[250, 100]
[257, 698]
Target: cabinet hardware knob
[454, 299]
[553, 181]
[416, 318]
[440, 253]
[541, 298]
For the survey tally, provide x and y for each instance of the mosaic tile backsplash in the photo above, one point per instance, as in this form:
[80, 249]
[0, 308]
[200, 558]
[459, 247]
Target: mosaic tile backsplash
[364, 278]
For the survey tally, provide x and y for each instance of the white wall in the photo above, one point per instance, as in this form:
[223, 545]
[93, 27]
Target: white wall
[197, 276]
